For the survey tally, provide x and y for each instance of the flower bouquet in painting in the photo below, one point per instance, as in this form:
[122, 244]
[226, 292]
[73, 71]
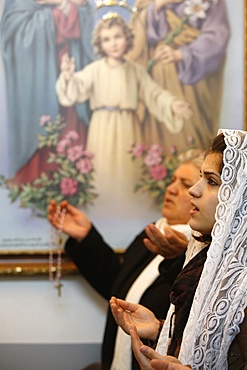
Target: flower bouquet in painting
[157, 169]
[73, 175]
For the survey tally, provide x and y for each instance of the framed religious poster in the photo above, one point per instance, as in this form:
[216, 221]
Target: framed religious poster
[108, 140]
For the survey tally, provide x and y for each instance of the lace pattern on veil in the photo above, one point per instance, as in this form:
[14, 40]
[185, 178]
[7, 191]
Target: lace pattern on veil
[220, 299]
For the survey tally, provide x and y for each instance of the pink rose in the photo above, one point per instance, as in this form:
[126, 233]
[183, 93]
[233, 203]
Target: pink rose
[156, 148]
[62, 145]
[138, 150]
[173, 149]
[75, 152]
[71, 135]
[88, 154]
[44, 119]
[84, 165]
[68, 186]
[158, 172]
[152, 159]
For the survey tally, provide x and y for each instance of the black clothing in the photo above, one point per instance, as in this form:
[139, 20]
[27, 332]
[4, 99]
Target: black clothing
[182, 295]
[103, 269]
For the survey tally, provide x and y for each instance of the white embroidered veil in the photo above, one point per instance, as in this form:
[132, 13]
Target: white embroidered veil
[220, 299]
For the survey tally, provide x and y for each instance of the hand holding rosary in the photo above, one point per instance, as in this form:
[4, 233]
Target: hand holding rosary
[56, 245]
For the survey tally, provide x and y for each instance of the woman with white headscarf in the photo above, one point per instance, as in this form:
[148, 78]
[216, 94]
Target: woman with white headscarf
[205, 327]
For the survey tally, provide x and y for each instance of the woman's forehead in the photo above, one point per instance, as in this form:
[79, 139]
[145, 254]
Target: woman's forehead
[186, 168]
[213, 163]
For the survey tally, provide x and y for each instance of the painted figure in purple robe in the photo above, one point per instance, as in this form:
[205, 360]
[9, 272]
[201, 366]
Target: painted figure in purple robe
[190, 64]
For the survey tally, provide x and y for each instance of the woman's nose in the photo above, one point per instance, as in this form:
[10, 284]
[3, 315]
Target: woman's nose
[172, 188]
[194, 191]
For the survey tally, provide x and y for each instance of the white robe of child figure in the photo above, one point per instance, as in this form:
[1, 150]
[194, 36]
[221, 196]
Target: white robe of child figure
[114, 85]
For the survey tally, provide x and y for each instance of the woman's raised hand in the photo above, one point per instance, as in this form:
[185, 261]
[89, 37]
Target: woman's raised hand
[149, 359]
[168, 364]
[127, 314]
[139, 350]
[76, 224]
[171, 244]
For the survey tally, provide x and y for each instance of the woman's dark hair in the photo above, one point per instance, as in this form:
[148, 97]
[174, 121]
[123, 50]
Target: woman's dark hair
[218, 146]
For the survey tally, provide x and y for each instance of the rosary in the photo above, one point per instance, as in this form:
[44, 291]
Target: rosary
[56, 244]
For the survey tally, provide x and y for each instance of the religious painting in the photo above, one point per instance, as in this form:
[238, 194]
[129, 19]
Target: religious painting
[102, 126]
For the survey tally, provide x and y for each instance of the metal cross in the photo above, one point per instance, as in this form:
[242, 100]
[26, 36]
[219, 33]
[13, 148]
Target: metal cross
[58, 286]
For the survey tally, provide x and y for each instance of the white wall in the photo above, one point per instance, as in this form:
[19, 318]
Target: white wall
[232, 112]
[31, 313]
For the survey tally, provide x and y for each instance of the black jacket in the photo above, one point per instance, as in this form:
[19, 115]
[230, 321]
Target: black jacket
[105, 271]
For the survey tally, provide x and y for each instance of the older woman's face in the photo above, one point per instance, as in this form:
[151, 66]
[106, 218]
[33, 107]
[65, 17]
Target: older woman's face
[205, 195]
[177, 201]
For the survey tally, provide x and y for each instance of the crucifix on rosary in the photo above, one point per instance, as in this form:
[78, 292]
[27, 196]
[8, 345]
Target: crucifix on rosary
[56, 244]
[58, 286]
